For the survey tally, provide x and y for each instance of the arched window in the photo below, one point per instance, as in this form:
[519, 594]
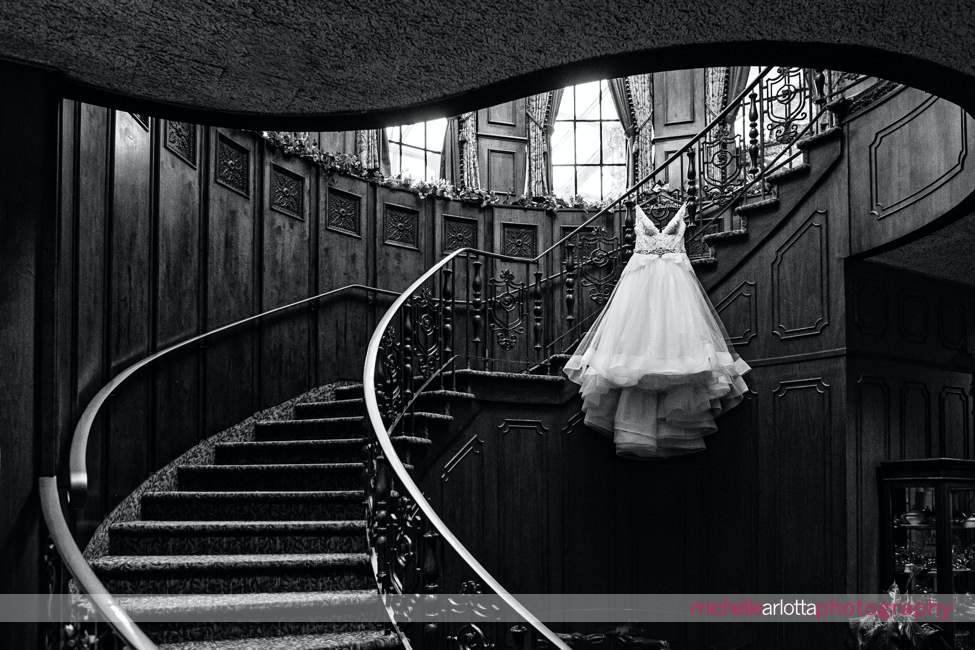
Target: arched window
[588, 144]
[415, 149]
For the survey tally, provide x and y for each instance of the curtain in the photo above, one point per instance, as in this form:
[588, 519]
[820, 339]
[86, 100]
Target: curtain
[450, 153]
[641, 97]
[619, 90]
[372, 147]
[541, 110]
[737, 80]
[458, 162]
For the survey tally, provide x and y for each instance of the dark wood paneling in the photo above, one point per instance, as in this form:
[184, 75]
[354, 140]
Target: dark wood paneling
[285, 343]
[679, 96]
[506, 120]
[910, 162]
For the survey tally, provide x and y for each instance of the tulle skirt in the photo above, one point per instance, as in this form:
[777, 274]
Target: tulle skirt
[655, 368]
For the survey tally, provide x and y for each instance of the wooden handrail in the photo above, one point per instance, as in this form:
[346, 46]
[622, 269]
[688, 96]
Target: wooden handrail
[77, 463]
[103, 602]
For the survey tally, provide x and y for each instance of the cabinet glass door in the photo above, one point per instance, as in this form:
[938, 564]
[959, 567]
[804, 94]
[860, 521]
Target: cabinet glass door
[915, 539]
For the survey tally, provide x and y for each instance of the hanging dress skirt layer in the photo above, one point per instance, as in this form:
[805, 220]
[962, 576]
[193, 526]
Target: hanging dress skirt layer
[655, 368]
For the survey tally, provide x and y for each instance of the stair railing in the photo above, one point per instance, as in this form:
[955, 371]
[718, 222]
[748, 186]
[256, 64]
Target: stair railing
[105, 608]
[480, 310]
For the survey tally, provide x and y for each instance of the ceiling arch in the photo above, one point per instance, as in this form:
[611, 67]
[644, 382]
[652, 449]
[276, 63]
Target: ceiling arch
[363, 63]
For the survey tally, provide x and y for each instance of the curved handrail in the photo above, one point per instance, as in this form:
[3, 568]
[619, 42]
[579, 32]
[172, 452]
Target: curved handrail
[77, 462]
[392, 457]
[75, 560]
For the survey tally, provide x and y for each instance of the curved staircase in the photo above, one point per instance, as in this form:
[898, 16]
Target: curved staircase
[276, 521]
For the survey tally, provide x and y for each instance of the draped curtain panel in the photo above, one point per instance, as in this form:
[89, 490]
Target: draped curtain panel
[619, 90]
[372, 147]
[458, 164]
[641, 103]
[538, 181]
[722, 85]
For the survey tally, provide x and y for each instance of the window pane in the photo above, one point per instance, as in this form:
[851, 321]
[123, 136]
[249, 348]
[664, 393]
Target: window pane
[563, 181]
[435, 134]
[433, 167]
[563, 147]
[413, 134]
[608, 107]
[566, 106]
[587, 101]
[587, 143]
[589, 182]
[614, 143]
[413, 164]
[614, 181]
[394, 163]
[392, 132]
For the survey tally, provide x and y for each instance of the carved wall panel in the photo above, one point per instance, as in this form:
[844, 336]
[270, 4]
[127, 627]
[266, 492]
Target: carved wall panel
[800, 281]
[915, 420]
[532, 426]
[401, 226]
[871, 308]
[344, 212]
[912, 316]
[233, 166]
[287, 192]
[951, 325]
[805, 405]
[519, 240]
[181, 140]
[895, 147]
[739, 313]
[458, 232]
[955, 412]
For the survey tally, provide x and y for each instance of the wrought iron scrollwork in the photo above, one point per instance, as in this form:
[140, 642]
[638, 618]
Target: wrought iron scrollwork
[506, 313]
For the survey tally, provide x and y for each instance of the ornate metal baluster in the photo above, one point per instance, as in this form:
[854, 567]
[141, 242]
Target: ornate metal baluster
[381, 533]
[820, 80]
[519, 637]
[447, 316]
[753, 134]
[570, 282]
[537, 313]
[691, 188]
[476, 304]
[430, 574]
[407, 351]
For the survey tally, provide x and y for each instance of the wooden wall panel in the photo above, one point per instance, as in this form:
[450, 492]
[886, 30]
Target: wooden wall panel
[402, 232]
[232, 277]
[286, 352]
[910, 161]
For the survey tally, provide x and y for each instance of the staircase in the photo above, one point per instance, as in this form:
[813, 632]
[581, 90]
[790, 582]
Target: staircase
[277, 521]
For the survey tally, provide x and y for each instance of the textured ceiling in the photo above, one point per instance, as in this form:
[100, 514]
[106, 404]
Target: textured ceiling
[366, 62]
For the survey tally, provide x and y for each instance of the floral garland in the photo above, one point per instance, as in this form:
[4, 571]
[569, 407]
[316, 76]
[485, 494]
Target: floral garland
[297, 143]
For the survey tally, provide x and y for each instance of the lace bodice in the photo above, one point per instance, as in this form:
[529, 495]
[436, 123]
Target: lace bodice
[652, 241]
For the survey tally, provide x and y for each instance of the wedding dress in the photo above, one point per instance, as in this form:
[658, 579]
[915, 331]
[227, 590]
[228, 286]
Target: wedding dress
[655, 368]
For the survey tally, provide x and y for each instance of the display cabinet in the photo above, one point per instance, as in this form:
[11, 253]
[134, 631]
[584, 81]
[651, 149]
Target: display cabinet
[927, 510]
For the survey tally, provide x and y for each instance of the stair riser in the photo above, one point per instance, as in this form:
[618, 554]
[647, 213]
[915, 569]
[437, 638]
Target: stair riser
[298, 430]
[126, 544]
[173, 510]
[234, 582]
[219, 631]
[285, 479]
[288, 454]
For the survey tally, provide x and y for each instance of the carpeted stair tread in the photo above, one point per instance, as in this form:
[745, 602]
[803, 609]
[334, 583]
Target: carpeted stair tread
[238, 527]
[365, 640]
[288, 451]
[263, 505]
[282, 476]
[197, 604]
[120, 564]
[309, 428]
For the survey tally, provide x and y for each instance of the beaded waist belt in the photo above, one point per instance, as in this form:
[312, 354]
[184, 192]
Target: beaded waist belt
[656, 251]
